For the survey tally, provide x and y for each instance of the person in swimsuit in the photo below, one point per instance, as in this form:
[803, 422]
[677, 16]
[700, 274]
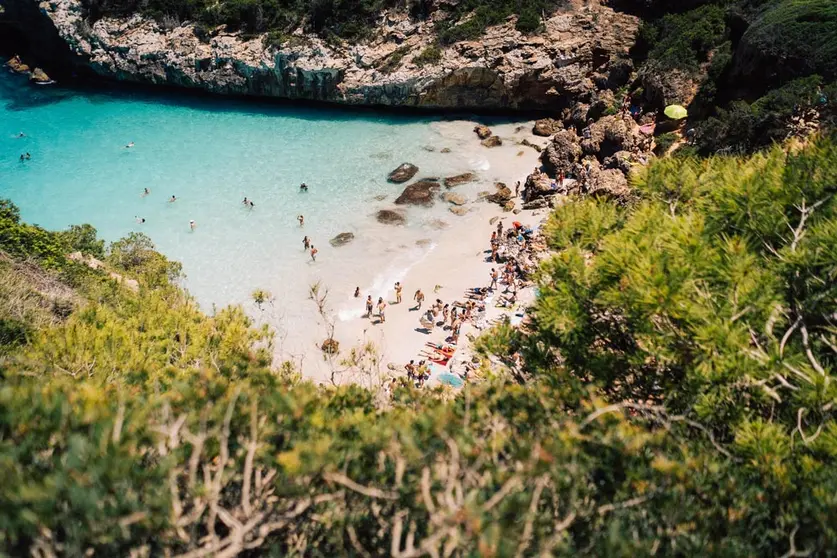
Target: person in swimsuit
[369, 304]
[313, 253]
[245, 201]
[306, 243]
[130, 145]
[381, 307]
[357, 292]
[192, 224]
[303, 187]
[173, 199]
[419, 298]
[398, 289]
[301, 220]
[145, 192]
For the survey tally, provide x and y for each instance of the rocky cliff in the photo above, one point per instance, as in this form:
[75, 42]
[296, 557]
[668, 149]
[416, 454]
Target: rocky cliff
[583, 48]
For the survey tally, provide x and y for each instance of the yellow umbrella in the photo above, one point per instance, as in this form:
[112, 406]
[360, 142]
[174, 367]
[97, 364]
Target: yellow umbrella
[676, 112]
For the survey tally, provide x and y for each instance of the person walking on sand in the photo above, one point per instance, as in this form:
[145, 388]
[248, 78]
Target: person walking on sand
[369, 305]
[313, 253]
[494, 276]
[301, 220]
[382, 306]
[357, 292]
[306, 243]
[398, 289]
[419, 298]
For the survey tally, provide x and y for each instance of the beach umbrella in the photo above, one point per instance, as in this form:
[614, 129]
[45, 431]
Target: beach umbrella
[676, 112]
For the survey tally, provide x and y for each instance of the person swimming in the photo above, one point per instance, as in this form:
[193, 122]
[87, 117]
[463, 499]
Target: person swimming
[145, 192]
[301, 220]
[173, 199]
[192, 224]
[139, 220]
[21, 135]
[306, 243]
[245, 201]
[22, 157]
[252, 204]
[130, 145]
[28, 156]
[313, 253]
[303, 187]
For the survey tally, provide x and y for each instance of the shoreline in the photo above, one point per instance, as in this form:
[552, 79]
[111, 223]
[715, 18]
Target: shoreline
[455, 261]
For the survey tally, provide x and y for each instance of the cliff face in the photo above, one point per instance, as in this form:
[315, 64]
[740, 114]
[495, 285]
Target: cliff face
[582, 49]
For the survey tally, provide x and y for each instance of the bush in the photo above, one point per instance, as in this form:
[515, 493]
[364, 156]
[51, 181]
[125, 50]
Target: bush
[430, 55]
[684, 41]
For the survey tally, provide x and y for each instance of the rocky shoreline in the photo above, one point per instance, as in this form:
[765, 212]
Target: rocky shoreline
[583, 49]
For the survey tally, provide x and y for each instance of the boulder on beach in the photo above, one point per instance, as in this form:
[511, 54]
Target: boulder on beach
[483, 132]
[391, 217]
[502, 195]
[438, 224]
[455, 199]
[403, 173]
[342, 239]
[534, 146]
[561, 153]
[610, 135]
[492, 141]
[419, 193]
[445, 150]
[458, 210]
[40, 76]
[508, 206]
[545, 127]
[608, 184]
[459, 179]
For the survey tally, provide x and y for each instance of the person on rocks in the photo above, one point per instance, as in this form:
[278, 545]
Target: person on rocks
[369, 305]
[306, 243]
[313, 253]
[419, 298]
[398, 289]
[382, 306]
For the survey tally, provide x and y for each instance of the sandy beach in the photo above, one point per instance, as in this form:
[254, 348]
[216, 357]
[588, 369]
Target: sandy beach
[456, 261]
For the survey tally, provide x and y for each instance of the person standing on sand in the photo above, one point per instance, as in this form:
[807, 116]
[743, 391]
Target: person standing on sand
[357, 292]
[398, 289]
[306, 243]
[369, 305]
[381, 307]
[301, 220]
[313, 253]
[419, 298]
[517, 189]
[494, 277]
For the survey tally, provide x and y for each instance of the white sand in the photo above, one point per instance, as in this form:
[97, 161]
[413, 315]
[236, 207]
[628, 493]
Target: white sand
[456, 261]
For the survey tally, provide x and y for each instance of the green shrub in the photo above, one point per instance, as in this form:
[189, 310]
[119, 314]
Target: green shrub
[684, 41]
[393, 61]
[665, 141]
[430, 55]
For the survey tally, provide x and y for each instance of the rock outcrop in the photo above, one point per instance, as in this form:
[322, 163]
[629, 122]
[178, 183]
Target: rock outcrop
[459, 179]
[391, 217]
[579, 48]
[562, 153]
[403, 173]
[422, 192]
[545, 127]
[492, 141]
[342, 239]
[455, 199]
[502, 196]
[483, 132]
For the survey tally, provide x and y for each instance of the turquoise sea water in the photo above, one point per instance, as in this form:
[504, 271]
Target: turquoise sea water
[211, 153]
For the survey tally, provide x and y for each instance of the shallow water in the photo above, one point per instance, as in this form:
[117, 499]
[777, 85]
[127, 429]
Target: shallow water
[211, 153]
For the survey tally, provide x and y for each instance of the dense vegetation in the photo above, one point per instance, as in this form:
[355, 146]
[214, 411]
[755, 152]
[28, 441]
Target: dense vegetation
[675, 398]
[756, 65]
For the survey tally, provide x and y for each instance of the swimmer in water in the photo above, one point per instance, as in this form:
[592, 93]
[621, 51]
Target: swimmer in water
[22, 157]
[301, 220]
[130, 145]
[21, 135]
[313, 253]
[303, 187]
[245, 201]
[252, 205]
[192, 224]
[173, 199]
[139, 220]
[306, 243]
[28, 156]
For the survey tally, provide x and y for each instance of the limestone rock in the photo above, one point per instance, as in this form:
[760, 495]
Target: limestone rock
[508, 206]
[403, 173]
[419, 193]
[561, 153]
[445, 150]
[40, 76]
[504, 69]
[492, 141]
[663, 87]
[391, 217]
[545, 127]
[342, 239]
[502, 195]
[537, 185]
[539, 203]
[459, 179]
[483, 132]
[608, 183]
[620, 160]
[458, 210]
[17, 65]
[609, 135]
[455, 199]
[534, 146]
